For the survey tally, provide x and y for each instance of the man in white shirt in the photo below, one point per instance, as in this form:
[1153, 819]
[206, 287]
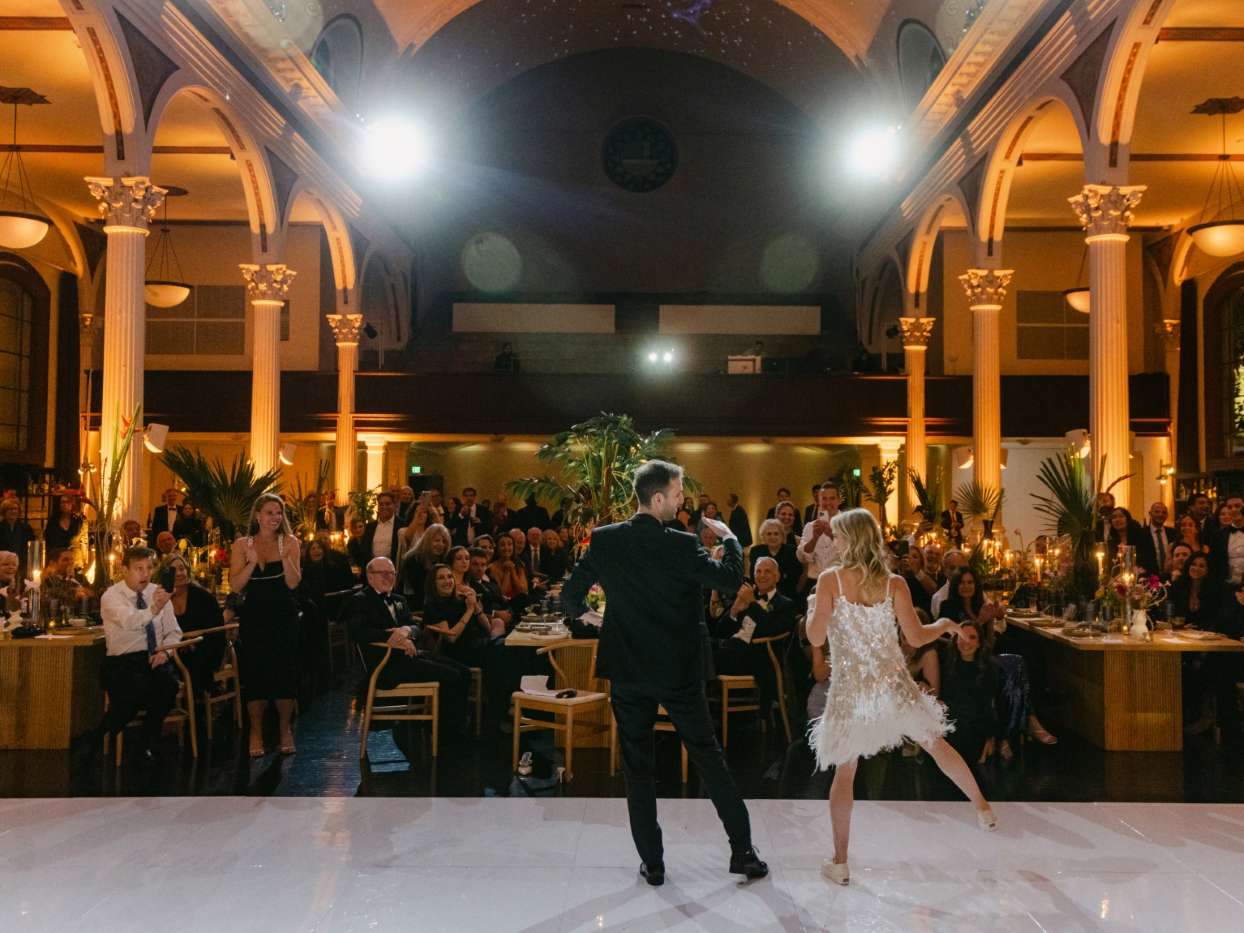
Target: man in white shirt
[138, 619]
[952, 560]
[381, 538]
[817, 548]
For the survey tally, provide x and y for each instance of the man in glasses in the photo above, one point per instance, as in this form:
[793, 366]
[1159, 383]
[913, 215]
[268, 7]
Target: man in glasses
[375, 614]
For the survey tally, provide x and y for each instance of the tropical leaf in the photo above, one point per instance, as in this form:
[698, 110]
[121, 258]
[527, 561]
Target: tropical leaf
[1071, 507]
[979, 500]
[850, 488]
[364, 503]
[105, 502]
[302, 518]
[226, 495]
[881, 486]
[928, 495]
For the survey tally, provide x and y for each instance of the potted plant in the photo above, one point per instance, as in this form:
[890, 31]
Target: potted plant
[225, 495]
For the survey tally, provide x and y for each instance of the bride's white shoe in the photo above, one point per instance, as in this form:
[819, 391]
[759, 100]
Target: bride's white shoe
[986, 820]
[838, 874]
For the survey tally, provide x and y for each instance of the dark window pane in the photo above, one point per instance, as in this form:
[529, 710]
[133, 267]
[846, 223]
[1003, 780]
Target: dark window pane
[220, 302]
[220, 338]
[1041, 343]
[1040, 307]
[171, 337]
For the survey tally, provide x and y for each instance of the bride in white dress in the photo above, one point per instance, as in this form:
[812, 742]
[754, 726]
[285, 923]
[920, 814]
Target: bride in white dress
[873, 704]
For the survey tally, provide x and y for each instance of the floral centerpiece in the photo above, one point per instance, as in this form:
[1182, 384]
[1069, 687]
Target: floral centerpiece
[596, 599]
[1139, 591]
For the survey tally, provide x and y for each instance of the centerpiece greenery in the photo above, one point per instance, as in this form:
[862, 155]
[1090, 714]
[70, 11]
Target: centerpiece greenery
[224, 494]
[597, 460]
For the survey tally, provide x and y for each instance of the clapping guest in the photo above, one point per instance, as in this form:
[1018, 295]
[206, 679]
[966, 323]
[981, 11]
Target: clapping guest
[196, 609]
[189, 527]
[1180, 552]
[786, 517]
[64, 527]
[758, 611]
[1196, 597]
[772, 545]
[59, 581]
[377, 614]
[510, 575]
[970, 679]
[952, 560]
[429, 552]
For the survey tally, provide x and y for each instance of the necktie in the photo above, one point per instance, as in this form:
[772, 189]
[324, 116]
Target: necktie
[140, 604]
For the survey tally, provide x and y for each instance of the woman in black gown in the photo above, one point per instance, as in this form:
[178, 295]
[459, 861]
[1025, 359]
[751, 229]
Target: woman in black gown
[196, 609]
[61, 530]
[265, 571]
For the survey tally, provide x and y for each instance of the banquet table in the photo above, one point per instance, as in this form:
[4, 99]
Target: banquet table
[49, 688]
[1122, 694]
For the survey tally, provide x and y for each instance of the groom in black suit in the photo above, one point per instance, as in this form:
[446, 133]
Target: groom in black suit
[650, 651]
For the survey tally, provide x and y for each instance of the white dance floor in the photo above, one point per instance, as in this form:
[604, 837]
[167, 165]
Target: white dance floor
[234, 865]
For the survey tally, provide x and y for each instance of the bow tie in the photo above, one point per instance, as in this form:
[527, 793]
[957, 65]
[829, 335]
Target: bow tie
[1234, 531]
[762, 598]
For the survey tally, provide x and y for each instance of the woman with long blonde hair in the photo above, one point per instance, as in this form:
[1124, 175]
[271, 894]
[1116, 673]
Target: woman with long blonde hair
[873, 704]
[265, 571]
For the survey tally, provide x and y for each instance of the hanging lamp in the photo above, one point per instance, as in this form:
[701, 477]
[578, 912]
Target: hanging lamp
[22, 224]
[1224, 236]
[1079, 297]
[164, 291]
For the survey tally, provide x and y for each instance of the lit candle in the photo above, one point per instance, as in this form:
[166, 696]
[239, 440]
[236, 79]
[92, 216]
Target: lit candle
[1037, 560]
[1101, 566]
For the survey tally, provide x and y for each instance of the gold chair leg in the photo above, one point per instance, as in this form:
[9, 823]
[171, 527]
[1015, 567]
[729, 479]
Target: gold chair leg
[517, 720]
[237, 700]
[436, 720]
[207, 706]
[684, 762]
[569, 742]
[194, 738]
[371, 698]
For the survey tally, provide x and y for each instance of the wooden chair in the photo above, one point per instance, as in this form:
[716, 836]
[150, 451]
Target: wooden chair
[662, 725]
[230, 687]
[428, 693]
[183, 706]
[586, 700]
[733, 682]
[475, 695]
[338, 636]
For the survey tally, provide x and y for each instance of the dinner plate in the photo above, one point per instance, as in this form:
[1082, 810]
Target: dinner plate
[1200, 636]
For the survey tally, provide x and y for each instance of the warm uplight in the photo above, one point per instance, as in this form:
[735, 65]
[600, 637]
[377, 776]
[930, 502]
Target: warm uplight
[1221, 238]
[395, 148]
[872, 152]
[19, 231]
[1078, 298]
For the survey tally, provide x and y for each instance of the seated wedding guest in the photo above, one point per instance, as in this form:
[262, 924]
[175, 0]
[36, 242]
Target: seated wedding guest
[11, 583]
[131, 533]
[510, 575]
[429, 552]
[1190, 534]
[786, 517]
[1212, 676]
[165, 543]
[382, 537]
[1161, 535]
[532, 513]
[970, 678]
[522, 552]
[933, 564]
[354, 544]
[377, 614]
[1125, 531]
[322, 574]
[920, 584]
[494, 604]
[189, 527]
[681, 521]
[15, 532]
[196, 609]
[952, 560]
[138, 619]
[61, 530]
[59, 580]
[454, 614]
[562, 515]
[554, 561]
[772, 544]
[502, 520]
[738, 521]
[1226, 550]
[459, 561]
[1196, 597]
[1180, 552]
[758, 611]
[535, 550]
[564, 533]
[488, 545]
[708, 539]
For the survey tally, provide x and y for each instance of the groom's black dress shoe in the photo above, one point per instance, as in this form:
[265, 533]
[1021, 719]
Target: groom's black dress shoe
[747, 862]
[655, 875]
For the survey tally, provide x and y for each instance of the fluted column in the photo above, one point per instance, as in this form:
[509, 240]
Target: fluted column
[266, 286]
[1105, 212]
[986, 288]
[375, 459]
[127, 204]
[916, 333]
[346, 329]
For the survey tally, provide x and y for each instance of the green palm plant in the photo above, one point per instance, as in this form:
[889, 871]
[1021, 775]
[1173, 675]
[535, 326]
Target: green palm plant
[597, 460]
[881, 486]
[980, 500]
[301, 517]
[850, 488]
[1071, 507]
[225, 494]
[927, 494]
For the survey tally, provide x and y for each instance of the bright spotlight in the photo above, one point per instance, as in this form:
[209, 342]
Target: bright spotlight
[668, 357]
[395, 148]
[652, 357]
[872, 152]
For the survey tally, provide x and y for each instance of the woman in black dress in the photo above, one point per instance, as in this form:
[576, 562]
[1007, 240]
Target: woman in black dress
[196, 609]
[1195, 597]
[970, 679]
[189, 526]
[61, 530]
[265, 571]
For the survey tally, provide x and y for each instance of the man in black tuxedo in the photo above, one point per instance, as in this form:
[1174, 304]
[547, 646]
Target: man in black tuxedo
[1160, 535]
[471, 521]
[532, 513]
[164, 516]
[758, 611]
[738, 521]
[650, 651]
[381, 538]
[377, 614]
[809, 513]
[1226, 547]
[952, 522]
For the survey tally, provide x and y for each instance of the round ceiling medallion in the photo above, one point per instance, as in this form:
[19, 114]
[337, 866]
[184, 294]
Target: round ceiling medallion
[639, 154]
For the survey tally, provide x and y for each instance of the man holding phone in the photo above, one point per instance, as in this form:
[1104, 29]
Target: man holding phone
[816, 546]
[138, 619]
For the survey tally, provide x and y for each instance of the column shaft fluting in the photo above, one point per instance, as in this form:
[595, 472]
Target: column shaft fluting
[916, 333]
[267, 287]
[986, 290]
[346, 329]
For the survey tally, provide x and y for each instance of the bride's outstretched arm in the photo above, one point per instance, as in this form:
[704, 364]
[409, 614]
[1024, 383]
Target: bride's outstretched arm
[915, 633]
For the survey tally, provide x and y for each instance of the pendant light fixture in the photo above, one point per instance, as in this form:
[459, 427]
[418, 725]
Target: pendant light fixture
[1224, 234]
[165, 291]
[22, 224]
[1079, 296]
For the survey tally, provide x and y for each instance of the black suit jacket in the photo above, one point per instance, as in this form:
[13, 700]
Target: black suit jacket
[775, 620]
[652, 577]
[1219, 562]
[531, 516]
[159, 522]
[741, 525]
[369, 534]
[1171, 537]
[458, 526]
[367, 619]
[948, 520]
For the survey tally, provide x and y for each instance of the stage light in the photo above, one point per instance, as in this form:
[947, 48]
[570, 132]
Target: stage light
[652, 357]
[1080, 443]
[395, 148]
[155, 437]
[872, 152]
[668, 357]
[287, 453]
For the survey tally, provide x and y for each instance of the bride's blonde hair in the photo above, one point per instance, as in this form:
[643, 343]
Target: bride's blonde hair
[859, 542]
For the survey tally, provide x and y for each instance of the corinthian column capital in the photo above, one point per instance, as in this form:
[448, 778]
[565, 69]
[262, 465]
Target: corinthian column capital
[1106, 210]
[916, 330]
[346, 328]
[267, 283]
[126, 203]
[986, 287]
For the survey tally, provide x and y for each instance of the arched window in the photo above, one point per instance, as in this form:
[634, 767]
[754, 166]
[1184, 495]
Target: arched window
[338, 56]
[920, 60]
[25, 307]
[1223, 340]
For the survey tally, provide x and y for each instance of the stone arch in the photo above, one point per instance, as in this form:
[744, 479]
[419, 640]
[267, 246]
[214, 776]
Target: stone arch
[924, 238]
[378, 283]
[1000, 175]
[254, 169]
[112, 79]
[340, 248]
